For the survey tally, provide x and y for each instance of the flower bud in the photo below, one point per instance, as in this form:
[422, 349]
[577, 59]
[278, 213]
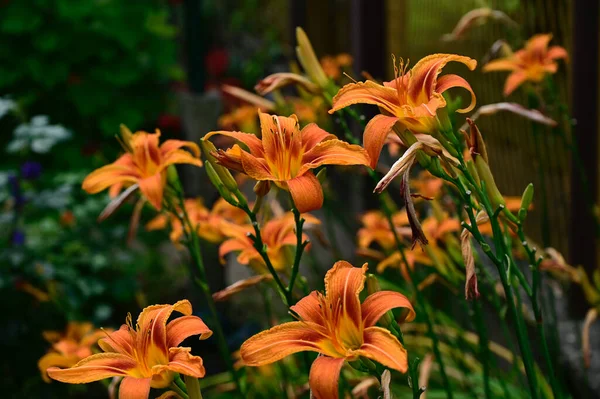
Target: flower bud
[444, 121]
[308, 59]
[224, 174]
[262, 188]
[526, 200]
[216, 181]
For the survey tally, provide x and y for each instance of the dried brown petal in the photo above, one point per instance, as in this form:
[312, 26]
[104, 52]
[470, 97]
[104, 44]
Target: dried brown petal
[240, 286]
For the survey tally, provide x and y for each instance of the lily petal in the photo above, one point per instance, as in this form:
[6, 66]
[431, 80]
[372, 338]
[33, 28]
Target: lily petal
[306, 192]
[334, 152]
[423, 80]
[449, 81]
[308, 309]
[504, 64]
[343, 284]
[256, 168]
[54, 359]
[180, 156]
[154, 319]
[375, 135]
[279, 342]
[120, 341]
[121, 171]
[367, 92]
[94, 368]
[556, 52]
[250, 140]
[380, 345]
[513, 81]
[378, 303]
[134, 388]
[183, 362]
[312, 134]
[324, 377]
[170, 146]
[152, 187]
[184, 327]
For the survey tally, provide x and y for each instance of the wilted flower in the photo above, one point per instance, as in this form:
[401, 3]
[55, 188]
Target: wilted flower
[147, 355]
[285, 155]
[532, 63]
[277, 234]
[411, 99]
[70, 347]
[337, 326]
[146, 165]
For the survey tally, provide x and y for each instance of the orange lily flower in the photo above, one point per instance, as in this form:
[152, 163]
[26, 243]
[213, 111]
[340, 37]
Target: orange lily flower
[144, 164]
[377, 230]
[242, 118]
[336, 325]
[69, 348]
[147, 355]
[278, 234]
[411, 99]
[207, 222]
[285, 155]
[427, 185]
[334, 66]
[531, 63]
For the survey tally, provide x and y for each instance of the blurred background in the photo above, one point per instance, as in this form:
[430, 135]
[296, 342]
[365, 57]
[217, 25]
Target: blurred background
[72, 71]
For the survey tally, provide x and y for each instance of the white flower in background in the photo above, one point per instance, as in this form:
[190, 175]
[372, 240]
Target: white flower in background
[38, 135]
[6, 105]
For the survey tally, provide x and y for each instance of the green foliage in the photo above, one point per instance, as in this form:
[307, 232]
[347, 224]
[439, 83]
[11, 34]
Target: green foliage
[88, 64]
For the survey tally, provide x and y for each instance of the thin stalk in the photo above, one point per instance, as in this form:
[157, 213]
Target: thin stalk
[484, 350]
[194, 247]
[193, 387]
[261, 248]
[300, 245]
[177, 388]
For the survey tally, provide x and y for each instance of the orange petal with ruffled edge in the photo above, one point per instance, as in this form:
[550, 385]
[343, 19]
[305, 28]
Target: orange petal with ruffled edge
[180, 157]
[343, 284]
[312, 135]
[557, 52]
[306, 192]
[183, 362]
[153, 321]
[334, 152]
[280, 341]
[367, 92]
[380, 345]
[324, 377]
[378, 303]
[449, 81]
[538, 44]
[94, 368]
[121, 171]
[152, 187]
[134, 388]
[184, 327]
[375, 135]
[513, 81]
[250, 140]
[170, 146]
[423, 80]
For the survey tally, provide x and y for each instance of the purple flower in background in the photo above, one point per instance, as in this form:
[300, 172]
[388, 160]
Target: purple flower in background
[15, 190]
[18, 237]
[31, 170]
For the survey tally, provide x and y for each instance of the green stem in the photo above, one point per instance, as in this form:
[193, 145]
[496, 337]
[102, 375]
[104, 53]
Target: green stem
[300, 245]
[484, 350]
[193, 387]
[175, 386]
[194, 247]
[261, 248]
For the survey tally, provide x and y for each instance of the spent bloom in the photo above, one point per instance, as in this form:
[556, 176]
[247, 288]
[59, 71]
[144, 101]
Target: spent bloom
[411, 99]
[530, 64]
[70, 347]
[145, 163]
[286, 155]
[208, 223]
[337, 326]
[146, 354]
